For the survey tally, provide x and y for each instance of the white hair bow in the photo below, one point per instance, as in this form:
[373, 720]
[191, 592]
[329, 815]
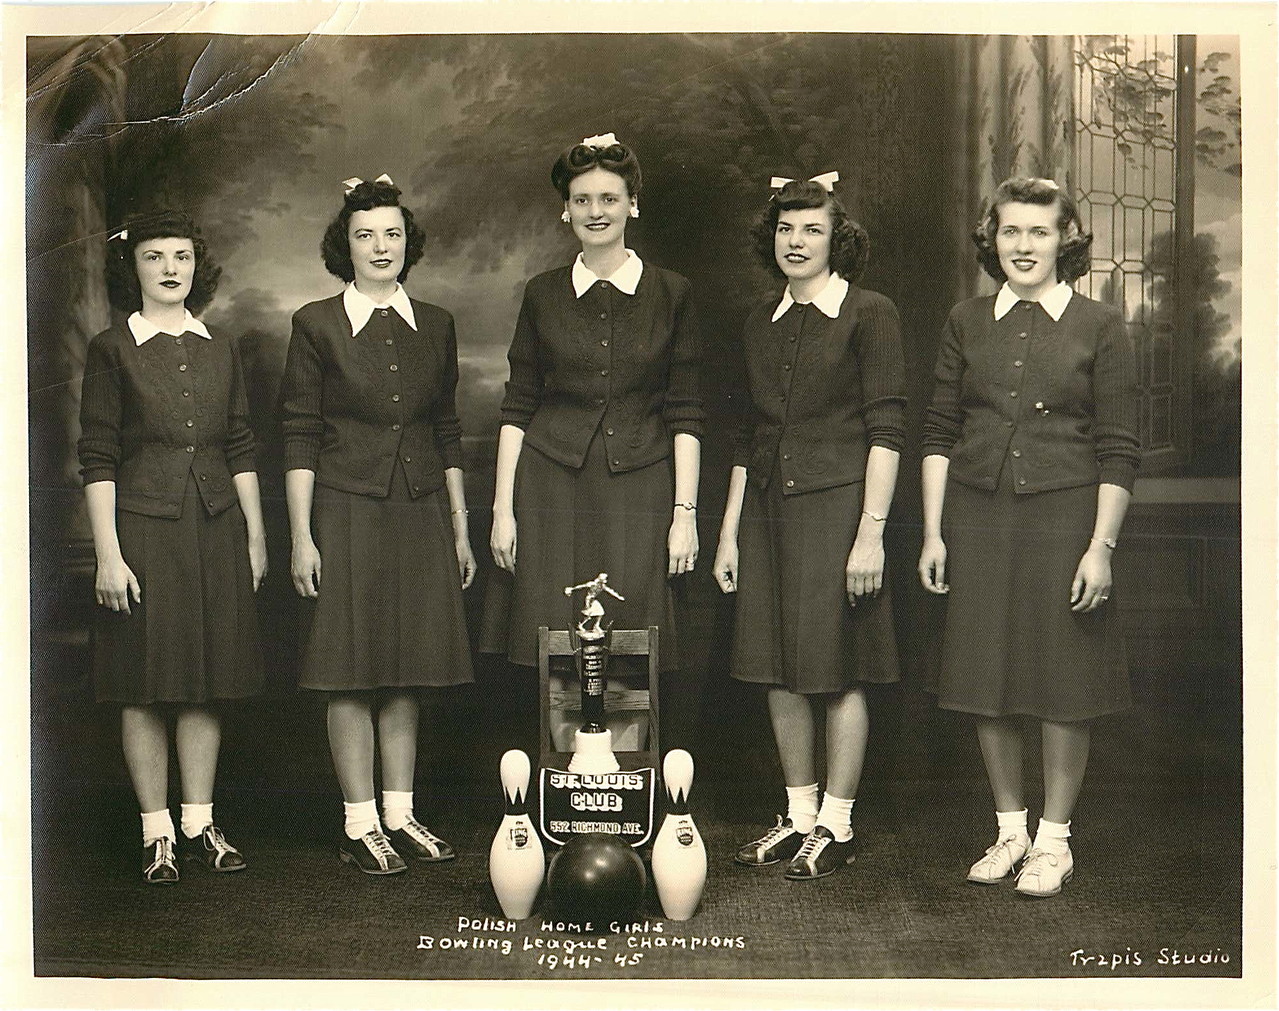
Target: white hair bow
[826, 180]
[600, 140]
[355, 181]
[123, 233]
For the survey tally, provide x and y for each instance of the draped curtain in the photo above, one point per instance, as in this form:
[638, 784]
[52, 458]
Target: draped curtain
[1011, 113]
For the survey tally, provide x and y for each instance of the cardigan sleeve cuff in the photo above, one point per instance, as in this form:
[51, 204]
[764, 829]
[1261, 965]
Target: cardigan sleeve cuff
[243, 463]
[97, 472]
[451, 454]
[301, 454]
[886, 424]
[1121, 472]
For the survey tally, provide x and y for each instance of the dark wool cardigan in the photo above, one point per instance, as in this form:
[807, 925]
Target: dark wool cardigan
[353, 404]
[822, 392]
[151, 414]
[627, 362]
[1058, 399]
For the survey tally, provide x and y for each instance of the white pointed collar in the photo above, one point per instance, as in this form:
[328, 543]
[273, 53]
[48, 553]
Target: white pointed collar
[143, 329]
[1054, 300]
[625, 278]
[829, 300]
[359, 307]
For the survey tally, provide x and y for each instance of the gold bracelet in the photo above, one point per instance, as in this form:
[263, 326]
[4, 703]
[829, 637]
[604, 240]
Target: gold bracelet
[690, 506]
[1110, 542]
[877, 519]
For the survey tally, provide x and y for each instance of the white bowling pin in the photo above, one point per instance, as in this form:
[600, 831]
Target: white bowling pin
[517, 863]
[679, 855]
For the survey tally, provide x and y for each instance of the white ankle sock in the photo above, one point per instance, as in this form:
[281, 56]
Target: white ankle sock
[156, 825]
[801, 807]
[1052, 836]
[397, 808]
[195, 817]
[361, 818]
[1011, 823]
[837, 815]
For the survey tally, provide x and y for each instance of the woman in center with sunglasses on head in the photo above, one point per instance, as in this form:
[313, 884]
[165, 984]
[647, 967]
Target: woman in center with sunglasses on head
[604, 390]
[373, 476]
[802, 539]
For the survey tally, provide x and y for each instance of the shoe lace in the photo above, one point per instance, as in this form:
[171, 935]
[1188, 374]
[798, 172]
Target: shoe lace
[163, 853]
[379, 845]
[812, 845]
[774, 835]
[1033, 859]
[423, 834]
[217, 840]
[993, 853]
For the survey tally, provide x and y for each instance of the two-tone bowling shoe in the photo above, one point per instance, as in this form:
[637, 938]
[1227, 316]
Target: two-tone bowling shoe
[158, 865]
[372, 853]
[211, 849]
[415, 840]
[779, 843]
[818, 855]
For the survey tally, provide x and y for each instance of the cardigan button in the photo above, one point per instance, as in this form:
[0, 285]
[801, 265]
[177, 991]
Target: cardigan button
[178, 342]
[786, 366]
[186, 393]
[617, 463]
[790, 483]
[395, 427]
[1012, 393]
[190, 449]
[182, 367]
[395, 368]
[1023, 335]
[395, 398]
[1017, 454]
[190, 423]
[1039, 406]
[785, 456]
[599, 400]
[608, 431]
[408, 459]
[1017, 364]
[603, 315]
[384, 312]
[603, 372]
[603, 344]
[1021, 480]
[389, 342]
[204, 477]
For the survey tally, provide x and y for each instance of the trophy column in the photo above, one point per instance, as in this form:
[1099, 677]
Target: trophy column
[593, 741]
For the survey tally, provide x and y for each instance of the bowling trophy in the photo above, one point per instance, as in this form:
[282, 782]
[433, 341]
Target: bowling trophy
[593, 742]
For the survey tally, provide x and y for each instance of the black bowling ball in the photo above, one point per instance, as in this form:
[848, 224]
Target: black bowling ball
[596, 878]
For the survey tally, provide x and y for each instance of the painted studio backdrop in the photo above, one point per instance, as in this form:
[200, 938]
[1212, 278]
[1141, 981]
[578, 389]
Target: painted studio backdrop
[254, 135]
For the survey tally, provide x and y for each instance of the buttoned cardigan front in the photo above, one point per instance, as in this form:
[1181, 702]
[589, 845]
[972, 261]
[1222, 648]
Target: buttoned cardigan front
[1056, 400]
[822, 392]
[628, 364]
[153, 413]
[354, 404]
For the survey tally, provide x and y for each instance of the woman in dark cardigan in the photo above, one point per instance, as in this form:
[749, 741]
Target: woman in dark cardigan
[1031, 446]
[604, 390]
[167, 459]
[802, 538]
[376, 507]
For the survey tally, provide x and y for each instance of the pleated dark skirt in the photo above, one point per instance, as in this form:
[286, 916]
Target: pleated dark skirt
[389, 614]
[571, 526]
[1011, 644]
[794, 626]
[194, 635]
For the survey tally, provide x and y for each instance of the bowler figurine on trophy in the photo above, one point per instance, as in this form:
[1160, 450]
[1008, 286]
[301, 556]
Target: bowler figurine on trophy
[593, 742]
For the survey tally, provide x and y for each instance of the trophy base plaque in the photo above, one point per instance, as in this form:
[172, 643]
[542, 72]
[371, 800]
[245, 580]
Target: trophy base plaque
[593, 752]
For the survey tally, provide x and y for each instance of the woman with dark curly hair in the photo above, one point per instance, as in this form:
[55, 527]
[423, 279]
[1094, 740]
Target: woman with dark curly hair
[373, 478]
[167, 459]
[801, 544]
[1031, 445]
[604, 393]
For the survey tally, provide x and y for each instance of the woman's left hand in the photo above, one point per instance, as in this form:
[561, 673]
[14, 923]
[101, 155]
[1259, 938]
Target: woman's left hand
[864, 573]
[1091, 587]
[465, 561]
[257, 560]
[681, 542]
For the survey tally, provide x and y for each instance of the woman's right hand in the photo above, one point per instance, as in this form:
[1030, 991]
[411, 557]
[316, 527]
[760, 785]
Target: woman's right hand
[113, 584]
[932, 565]
[502, 540]
[725, 567]
[306, 568]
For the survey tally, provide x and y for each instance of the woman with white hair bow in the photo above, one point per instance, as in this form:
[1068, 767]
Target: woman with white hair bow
[373, 476]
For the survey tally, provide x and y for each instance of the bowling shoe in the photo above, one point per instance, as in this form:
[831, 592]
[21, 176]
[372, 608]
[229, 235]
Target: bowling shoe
[211, 849]
[158, 865]
[372, 853]
[819, 855]
[1000, 860]
[417, 841]
[778, 843]
[1043, 873]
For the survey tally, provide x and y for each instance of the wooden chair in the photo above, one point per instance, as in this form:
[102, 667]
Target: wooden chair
[625, 642]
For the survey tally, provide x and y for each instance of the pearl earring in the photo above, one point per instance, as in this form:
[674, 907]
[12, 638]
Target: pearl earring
[564, 216]
[634, 210]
